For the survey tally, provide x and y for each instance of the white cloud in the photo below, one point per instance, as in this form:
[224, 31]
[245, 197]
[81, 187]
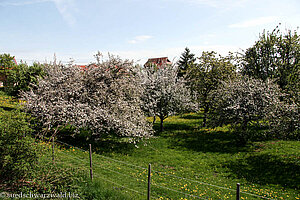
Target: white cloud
[64, 7]
[223, 4]
[254, 22]
[140, 38]
[22, 3]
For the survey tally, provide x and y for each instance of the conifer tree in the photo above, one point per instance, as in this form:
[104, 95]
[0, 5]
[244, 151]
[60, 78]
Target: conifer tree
[187, 59]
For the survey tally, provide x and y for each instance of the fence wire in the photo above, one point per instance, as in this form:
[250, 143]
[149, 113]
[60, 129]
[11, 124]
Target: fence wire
[123, 162]
[95, 165]
[98, 165]
[186, 194]
[155, 171]
[193, 180]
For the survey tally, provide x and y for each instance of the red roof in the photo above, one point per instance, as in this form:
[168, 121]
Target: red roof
[15, 61]
[85, 67]
[158, 61]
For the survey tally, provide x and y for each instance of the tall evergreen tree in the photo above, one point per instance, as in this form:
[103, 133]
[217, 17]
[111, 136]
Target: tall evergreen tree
[6, 64]
[187, 59]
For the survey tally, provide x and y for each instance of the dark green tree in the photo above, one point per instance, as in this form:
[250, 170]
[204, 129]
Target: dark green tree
[22, 77]
[288, 72]
[259, 61]
[6, 64]
[187, 59]
[275, 55]
[206, 76]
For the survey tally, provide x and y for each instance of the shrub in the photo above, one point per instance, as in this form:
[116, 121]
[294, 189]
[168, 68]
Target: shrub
[17, 150]
[54, 178]
[21, 77]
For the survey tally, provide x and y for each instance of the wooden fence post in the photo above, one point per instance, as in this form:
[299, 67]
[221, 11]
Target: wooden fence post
[91, 169]
[238, 191]
[149, 182]
[53, 150]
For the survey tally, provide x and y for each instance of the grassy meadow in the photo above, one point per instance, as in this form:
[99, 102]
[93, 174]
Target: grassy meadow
[187, 161]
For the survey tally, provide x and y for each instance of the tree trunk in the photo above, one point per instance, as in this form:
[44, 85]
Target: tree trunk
[205, 116]
[244, 124]
[161, 123]
[243, 136]
[154, 119]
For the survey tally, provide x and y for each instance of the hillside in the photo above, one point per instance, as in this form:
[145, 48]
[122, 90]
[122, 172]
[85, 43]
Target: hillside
[188, 162]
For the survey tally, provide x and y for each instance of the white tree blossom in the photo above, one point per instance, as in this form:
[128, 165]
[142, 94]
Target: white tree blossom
[284, 120]
[244, 100]
[164, 93]
[103, 97]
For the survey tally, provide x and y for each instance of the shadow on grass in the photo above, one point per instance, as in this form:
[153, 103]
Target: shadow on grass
[105, 145]
[7, 108]
[266, 169]
[207, 141]
[187, 135]
[181, 122]
[169, 127]
[193, 116]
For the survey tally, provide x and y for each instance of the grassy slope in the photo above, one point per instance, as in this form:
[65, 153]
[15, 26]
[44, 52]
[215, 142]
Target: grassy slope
[47, 178]
[268, 168]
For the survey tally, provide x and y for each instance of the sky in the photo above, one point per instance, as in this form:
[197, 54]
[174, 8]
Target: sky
[36, 30]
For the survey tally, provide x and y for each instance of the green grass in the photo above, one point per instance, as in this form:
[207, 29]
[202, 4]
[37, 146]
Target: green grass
[7, 102]
[184, 149]
[265, 168]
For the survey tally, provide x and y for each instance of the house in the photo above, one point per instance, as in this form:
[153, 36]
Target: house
[3, 75]
[158, 62]
[85, 67]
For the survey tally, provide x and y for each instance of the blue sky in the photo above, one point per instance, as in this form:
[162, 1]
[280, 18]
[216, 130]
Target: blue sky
[33, 30]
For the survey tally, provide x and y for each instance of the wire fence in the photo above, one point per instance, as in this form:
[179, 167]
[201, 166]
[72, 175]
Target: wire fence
[131, 178]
